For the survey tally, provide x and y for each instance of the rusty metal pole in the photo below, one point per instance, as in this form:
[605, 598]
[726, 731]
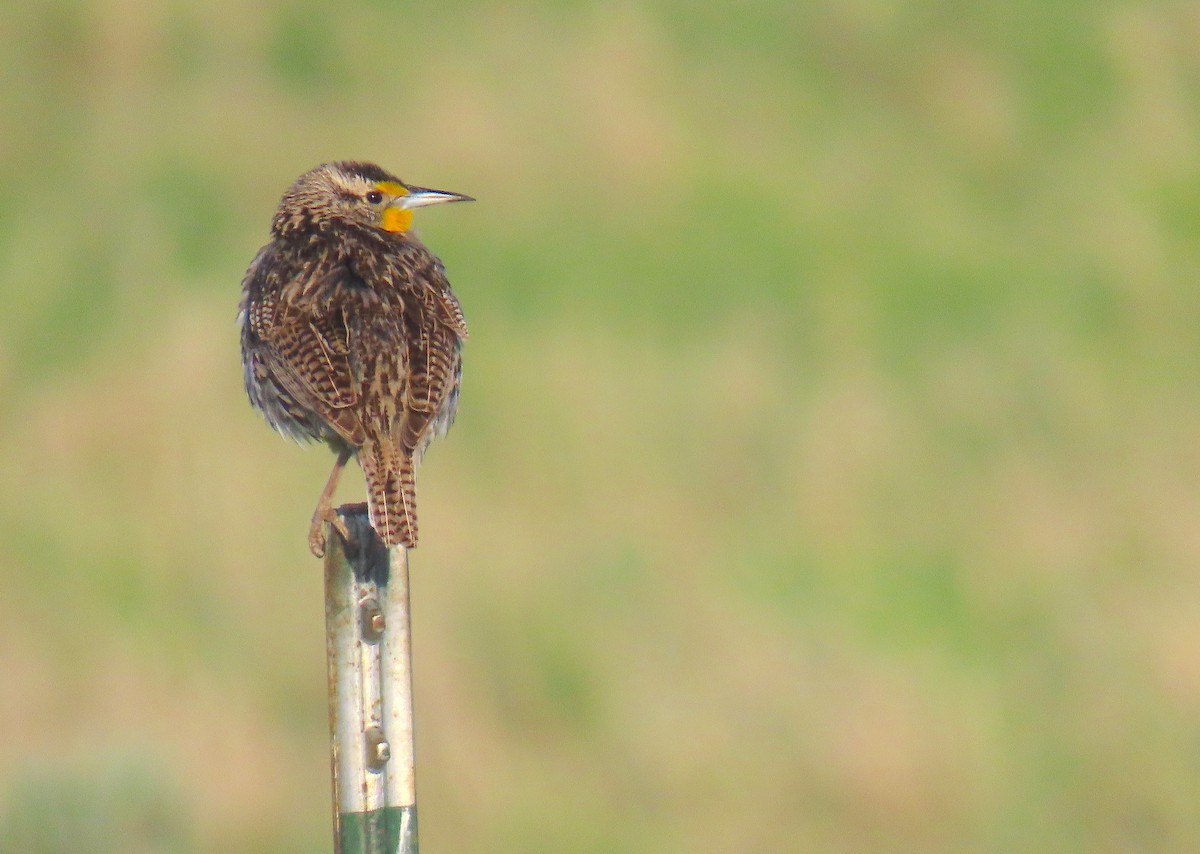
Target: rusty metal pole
[368, 641]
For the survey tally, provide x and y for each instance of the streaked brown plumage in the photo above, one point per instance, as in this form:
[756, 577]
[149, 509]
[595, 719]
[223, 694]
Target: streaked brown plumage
[351, 335]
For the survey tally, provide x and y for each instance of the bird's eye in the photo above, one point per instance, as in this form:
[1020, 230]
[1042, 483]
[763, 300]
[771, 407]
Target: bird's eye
[374, 197]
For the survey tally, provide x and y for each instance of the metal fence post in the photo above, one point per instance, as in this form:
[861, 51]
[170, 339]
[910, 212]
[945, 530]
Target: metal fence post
[368, 643]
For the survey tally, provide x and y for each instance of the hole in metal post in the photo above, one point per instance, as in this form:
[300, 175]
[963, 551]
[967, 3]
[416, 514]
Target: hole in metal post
[378, 749]
[372, 619]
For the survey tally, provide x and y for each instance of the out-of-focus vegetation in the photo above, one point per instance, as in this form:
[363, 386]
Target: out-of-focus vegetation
[827, 476]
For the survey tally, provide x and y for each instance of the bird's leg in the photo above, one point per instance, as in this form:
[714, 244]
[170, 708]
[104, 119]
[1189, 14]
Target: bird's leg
[325, 512]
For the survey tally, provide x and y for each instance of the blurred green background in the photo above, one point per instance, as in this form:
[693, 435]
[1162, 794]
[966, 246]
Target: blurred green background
[827, 476]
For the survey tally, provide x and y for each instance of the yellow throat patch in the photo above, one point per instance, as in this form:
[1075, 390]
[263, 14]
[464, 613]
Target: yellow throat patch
[394, 220]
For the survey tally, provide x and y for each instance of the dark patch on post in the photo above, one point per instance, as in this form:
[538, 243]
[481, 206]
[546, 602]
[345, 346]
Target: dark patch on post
[365, 552]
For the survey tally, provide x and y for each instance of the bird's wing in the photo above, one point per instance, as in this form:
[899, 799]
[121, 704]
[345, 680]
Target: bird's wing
[434, 291]
[307, 348]
[451, 311]
[433, 367]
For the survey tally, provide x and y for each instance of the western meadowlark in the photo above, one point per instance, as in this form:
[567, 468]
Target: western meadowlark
[351, 335]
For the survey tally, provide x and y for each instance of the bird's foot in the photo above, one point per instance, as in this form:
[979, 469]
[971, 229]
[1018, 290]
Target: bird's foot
[325, 515]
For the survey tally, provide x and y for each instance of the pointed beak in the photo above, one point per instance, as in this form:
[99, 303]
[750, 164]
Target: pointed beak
[419, 197]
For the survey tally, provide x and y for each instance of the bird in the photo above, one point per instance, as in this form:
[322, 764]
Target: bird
[351, 335]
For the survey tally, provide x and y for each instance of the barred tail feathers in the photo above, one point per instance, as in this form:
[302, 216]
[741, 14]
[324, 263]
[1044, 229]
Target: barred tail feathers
[390, 474]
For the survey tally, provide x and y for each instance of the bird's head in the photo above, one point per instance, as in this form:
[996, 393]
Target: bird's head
[350, 193]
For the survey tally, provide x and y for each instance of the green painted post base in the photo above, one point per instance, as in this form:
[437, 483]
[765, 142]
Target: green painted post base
[393, 828]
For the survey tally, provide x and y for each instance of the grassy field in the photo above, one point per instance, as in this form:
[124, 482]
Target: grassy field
[827, 476]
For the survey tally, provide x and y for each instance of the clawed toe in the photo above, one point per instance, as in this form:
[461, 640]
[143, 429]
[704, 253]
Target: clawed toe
[316, 534]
